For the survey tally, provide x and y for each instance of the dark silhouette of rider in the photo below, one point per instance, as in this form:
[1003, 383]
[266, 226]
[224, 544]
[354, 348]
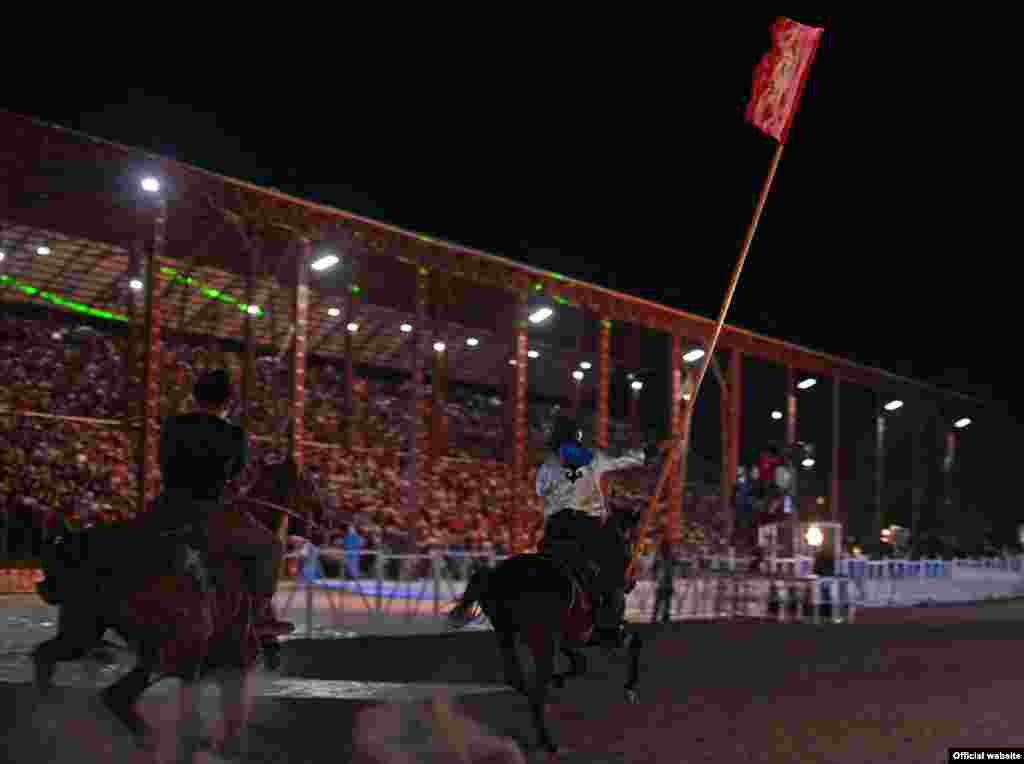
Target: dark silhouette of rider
[200, 453]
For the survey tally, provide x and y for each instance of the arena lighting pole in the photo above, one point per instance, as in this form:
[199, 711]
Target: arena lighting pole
[147, 469]
[948, 462]
[880, 465]
[678, 445]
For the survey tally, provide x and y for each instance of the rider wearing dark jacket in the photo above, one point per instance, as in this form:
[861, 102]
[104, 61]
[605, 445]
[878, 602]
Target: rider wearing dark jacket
[200, 452]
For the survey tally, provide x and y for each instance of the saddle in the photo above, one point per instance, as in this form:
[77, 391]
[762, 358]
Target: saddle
[568, 555]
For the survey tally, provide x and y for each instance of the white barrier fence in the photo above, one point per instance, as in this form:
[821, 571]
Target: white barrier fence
[367, 592]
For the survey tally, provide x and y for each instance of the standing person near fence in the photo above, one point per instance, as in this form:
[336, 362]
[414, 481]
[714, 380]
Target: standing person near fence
[352, 543]
[310, 555]
[664, 575]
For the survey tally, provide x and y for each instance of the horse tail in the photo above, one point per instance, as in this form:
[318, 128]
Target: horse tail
[57, 556]
[476, 588]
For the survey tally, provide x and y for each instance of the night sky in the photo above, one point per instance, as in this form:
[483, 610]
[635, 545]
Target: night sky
[615, 150]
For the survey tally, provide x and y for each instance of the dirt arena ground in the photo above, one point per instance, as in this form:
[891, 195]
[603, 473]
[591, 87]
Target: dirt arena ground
[899, 685]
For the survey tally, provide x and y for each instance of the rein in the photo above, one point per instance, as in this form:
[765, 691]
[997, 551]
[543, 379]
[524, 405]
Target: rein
[279, 508]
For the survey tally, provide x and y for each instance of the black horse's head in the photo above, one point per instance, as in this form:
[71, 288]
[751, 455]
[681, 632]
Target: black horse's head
[286, 484]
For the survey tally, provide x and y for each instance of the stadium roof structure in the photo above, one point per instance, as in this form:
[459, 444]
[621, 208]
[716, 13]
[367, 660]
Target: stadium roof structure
[79, 197]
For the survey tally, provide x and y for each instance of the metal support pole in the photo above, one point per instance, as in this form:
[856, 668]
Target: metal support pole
[148, 468]
[519, 423]
[604, 328]
[834, 492]
[879, 475]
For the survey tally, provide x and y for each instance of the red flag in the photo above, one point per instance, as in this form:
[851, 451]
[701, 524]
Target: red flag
[779, 78]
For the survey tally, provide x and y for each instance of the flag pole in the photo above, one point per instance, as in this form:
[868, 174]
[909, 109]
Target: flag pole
[680, 444]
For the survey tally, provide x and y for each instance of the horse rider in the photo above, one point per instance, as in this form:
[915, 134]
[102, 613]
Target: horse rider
[200, 452]
[569, 482]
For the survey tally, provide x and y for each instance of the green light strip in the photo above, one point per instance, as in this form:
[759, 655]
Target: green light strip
[213, 294]
[78, 307]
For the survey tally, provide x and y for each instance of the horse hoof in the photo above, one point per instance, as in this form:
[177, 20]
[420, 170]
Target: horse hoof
[44, 678]
[234, 749]
[632, 697]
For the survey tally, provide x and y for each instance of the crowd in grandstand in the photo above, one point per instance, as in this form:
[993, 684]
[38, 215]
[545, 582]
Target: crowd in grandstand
[57, 467]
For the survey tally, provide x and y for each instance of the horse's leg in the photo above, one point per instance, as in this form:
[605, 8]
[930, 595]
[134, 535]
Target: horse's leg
[578, 667]
[120, 698]
[77, 632]
[513, 670]
[634, 644]
[542, 646]
[190, 723]
[235, 704]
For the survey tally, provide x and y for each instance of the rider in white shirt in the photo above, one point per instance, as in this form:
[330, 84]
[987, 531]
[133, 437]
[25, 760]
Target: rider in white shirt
[580, 491]
[569, 482]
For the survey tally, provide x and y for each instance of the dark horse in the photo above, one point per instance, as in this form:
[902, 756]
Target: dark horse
[158, 596]
[540, 598]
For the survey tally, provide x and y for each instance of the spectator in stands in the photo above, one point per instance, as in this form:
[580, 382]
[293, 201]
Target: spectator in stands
[57, 368]
[744, 504]
[310, 556]
[664, 576]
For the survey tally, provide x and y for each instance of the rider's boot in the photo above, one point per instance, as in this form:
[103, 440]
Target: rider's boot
[459, 616]
[607, 623]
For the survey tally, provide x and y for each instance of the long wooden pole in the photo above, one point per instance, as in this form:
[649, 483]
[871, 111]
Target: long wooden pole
[680, 444]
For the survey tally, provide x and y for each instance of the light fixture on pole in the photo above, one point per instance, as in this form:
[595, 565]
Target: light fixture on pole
[439, 347]
[893, 405]
[43, 250]
[150, 185]
[533, 354]
[472, 341]
[961, 423]
[776, 415]
[694, 355]
[814, 536]
[577, 375]
[135, 284]
[353, 327]
[323, 263]
[637, 385]
[333, 312]
[585, 365]
[807, 384]
[406, 328]
[540, 315]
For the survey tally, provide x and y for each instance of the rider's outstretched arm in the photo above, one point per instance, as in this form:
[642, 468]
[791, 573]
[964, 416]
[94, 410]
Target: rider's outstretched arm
[605, 463]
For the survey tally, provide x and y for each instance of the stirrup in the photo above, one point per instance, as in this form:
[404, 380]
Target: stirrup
[458, 617]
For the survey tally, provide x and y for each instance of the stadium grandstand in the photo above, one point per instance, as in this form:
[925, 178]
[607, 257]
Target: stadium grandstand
[414, 378]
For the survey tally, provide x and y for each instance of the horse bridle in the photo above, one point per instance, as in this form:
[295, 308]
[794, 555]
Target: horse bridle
[279, 508]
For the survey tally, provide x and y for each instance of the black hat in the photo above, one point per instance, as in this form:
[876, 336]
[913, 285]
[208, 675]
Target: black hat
[213, 387]
[565, 430]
